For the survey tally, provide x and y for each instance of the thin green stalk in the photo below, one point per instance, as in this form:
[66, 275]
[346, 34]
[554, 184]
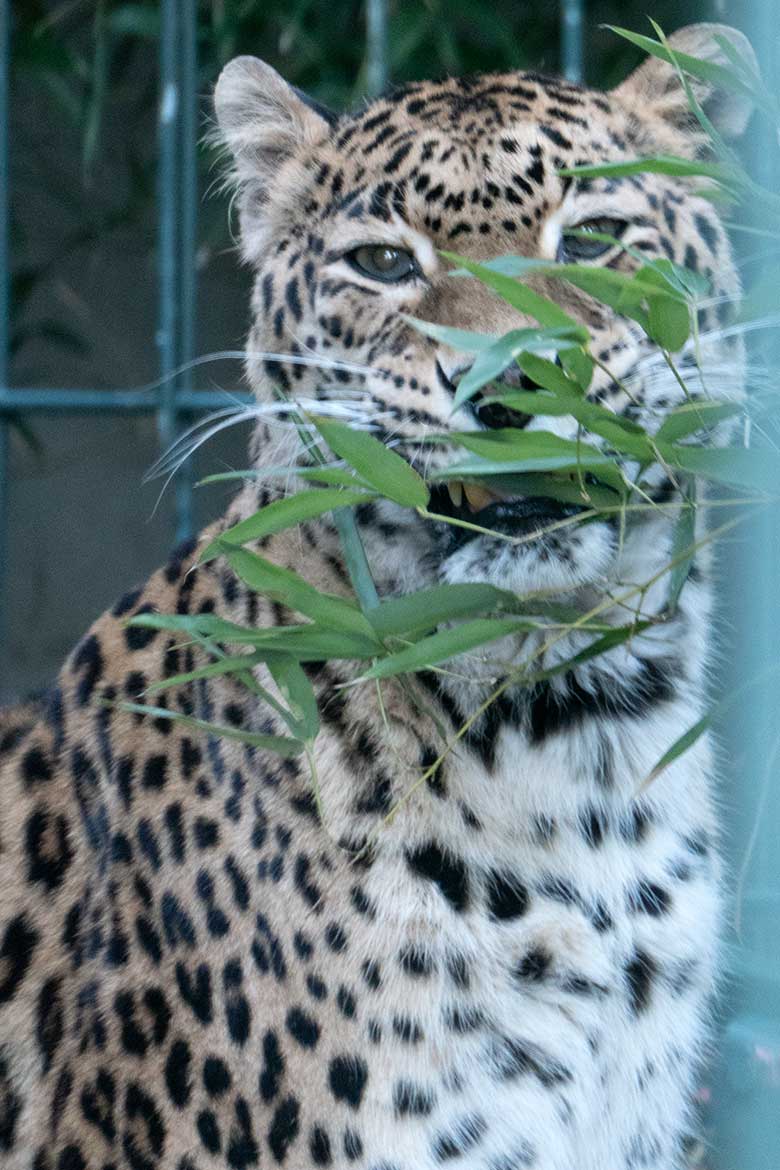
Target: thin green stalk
[344, 518]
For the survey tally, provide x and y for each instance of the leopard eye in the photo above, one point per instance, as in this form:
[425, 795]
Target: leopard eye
[383, 262]
[578, 247]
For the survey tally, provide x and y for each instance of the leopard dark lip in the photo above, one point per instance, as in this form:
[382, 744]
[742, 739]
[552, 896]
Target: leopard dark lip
[515, 516]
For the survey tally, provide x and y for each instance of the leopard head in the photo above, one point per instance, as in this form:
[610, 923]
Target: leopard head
[343, 221]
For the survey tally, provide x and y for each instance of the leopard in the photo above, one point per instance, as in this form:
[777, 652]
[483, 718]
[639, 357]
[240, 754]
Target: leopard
[497, 956]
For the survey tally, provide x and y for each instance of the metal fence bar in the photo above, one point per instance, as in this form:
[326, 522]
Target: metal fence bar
[572, 39]
[5, 300]
[377, 68]
[48, 400]
[177, 205]
[745, 1091]
[188, 187]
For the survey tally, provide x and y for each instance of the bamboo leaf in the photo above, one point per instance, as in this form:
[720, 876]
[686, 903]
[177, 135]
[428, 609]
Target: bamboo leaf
[683, 547]
[518, 295]
[383, 469]
[447, 644]
[285, 513]
[532, 303]
[718, 75]
[659, 164]
[231, 664]
[517, 451]
[491, 363]
[679, 747]
[461, 339]
[417, 612]
[755, 469]
[694, 416]
[297, 690]
[290, 589]
[239, 665]
[279, 744]
[332, 476]
[307, 643]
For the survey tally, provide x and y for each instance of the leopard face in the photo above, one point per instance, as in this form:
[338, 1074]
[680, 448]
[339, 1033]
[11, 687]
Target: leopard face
[344, 221]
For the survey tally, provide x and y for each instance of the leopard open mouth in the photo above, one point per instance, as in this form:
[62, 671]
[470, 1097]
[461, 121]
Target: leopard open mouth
[510, 515]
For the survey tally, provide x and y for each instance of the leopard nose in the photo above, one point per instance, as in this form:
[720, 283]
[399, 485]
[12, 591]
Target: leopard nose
[482, 406]
[495, 415]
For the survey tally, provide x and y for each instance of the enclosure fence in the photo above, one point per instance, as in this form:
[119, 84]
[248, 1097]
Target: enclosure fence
[173, 400]
[747, 1128]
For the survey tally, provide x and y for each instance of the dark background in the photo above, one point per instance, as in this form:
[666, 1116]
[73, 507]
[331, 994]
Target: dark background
[84, 99]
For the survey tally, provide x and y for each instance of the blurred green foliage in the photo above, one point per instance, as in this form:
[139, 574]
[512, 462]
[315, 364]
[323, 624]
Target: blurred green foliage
[89, 67]
[79, 50]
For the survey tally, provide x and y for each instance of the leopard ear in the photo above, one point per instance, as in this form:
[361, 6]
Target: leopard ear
[655, 86]
[262, 122]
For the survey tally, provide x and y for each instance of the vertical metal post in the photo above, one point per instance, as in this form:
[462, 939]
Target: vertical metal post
[376, 47]
[745, 1090]
[189, 183]
[177, 195]
[572, 29]
[5, 311]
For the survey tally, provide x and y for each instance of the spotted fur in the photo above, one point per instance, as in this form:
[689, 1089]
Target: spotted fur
[514, 971]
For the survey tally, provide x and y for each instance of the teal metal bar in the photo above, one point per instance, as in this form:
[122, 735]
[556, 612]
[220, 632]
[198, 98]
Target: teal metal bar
[177, 195]
[46, 400]
[5, 306]
[377, 66]
[744, 1111]
[188, 188]
[572, 31]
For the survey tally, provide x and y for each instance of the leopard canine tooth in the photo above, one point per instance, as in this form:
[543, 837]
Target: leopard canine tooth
[455, 488]
[478, 496]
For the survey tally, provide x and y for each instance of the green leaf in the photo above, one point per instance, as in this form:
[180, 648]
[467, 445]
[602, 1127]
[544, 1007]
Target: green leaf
[518, 295]
[207, 625]
[658, 164]
[296, 689]
[290, 589]
[525, 300]
[307, 643]
[332, 476]
[614, 637]
[718, 75]
[447, 644]
[633, 295]
[491, 363]
[755, 469]
[383, 469]
[623, 434]
[281, 514]
[679, 747]
[551, 377]
[231, 664]
[355, 558]
[694, 416]
[417, 612]
[313, 643]
[460, 339]
[239, 665]
[516, 451]
[279, 744]
[683, 547]
[669, 324]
